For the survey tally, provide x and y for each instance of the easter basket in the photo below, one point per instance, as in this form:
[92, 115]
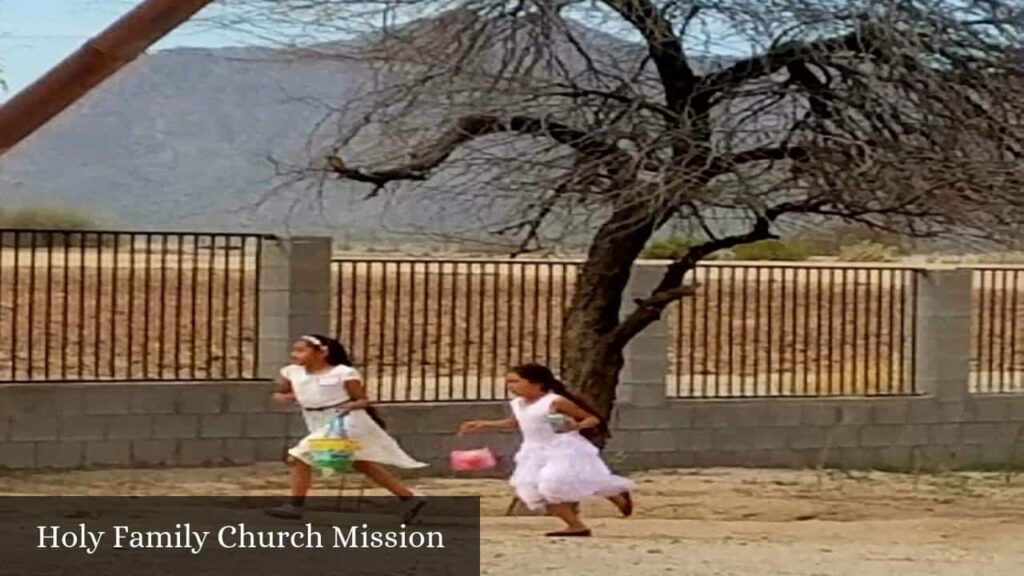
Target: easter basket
[336, 451]
[466, 460]
[468, 455]
[336, 454]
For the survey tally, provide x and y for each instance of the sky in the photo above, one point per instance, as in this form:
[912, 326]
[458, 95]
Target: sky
[37, 34]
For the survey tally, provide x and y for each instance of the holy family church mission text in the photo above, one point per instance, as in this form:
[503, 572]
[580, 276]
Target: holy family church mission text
[235, 536]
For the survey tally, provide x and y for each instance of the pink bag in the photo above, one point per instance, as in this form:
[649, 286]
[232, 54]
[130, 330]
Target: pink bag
[480, 459]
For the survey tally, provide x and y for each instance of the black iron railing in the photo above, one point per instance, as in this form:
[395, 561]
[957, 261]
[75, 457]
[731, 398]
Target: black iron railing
[997, 354]
[782, 330]
[447, 330]
[112, 305]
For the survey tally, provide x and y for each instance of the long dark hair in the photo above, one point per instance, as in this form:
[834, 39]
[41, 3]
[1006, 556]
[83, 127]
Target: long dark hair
[337, 355]
[545, 378]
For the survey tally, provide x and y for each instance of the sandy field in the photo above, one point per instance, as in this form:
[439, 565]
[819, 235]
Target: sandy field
[693, 522]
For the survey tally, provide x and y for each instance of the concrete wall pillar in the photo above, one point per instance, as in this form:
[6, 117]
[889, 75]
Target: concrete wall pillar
[942, 344]
[295, 296]
[645, 373]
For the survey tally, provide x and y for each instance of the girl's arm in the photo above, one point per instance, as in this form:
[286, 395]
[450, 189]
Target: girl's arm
[357, 394]
[509, 423]
[582, 419]
[284, 393]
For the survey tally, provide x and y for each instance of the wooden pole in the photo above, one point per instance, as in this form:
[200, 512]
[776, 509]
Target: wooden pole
[97, 60]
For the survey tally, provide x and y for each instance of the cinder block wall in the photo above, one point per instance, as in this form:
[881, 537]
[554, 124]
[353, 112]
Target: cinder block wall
[924, 433]
[146, 424]
[944, 427]
[71, 426]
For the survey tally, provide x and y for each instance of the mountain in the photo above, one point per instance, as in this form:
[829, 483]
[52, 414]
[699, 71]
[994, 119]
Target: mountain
[181, 140]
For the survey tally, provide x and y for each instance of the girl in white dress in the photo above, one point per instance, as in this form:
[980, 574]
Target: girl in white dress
[322, 382]
[556, 466]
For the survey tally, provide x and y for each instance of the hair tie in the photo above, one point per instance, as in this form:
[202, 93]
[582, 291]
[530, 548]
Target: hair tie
[315, 342]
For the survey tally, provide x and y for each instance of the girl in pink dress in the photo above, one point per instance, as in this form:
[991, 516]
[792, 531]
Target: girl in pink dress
[556, 466]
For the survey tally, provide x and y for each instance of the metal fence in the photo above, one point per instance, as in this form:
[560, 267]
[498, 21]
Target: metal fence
[780, 330]
[131, 306]
[447, 330]
[110, 305]
[997, 357]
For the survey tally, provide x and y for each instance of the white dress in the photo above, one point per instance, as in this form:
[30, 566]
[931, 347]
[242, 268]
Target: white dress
[327, 389]
[555, 468]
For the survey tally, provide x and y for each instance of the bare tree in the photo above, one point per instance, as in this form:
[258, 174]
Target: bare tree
[739, 117]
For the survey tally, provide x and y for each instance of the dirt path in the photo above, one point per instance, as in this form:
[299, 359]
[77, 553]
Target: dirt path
[700, 523]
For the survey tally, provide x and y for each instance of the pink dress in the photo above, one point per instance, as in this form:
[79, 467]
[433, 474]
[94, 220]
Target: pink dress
[553, 468]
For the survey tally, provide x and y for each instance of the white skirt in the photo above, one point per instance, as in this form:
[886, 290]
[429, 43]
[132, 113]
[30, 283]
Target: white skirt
[375, 445]
[567, 470]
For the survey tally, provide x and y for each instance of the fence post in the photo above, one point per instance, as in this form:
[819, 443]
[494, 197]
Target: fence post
[643, 379]
[943, 332]
[295, 296]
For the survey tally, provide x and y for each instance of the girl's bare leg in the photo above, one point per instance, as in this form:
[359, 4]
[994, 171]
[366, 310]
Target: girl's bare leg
[624, 502]
[383, 478]
[386, 480]
[569, 516]
[302, 478]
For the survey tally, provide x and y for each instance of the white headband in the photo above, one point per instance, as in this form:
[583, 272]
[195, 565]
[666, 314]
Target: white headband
[314, 341]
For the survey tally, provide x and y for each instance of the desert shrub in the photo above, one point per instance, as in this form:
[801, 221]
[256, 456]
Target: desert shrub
[44, 219]
[789, 250]
[668, 248]
[990, 258]
[832, 239]
[867, 251]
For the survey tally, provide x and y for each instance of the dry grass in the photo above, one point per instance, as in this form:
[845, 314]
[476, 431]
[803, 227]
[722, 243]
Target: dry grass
[997, 349]
[428, 330]
[794, 331]
[746, 333]
[101, 315]
[444, 331]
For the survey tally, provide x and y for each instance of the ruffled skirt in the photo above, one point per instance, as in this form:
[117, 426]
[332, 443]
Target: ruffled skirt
[567, 470]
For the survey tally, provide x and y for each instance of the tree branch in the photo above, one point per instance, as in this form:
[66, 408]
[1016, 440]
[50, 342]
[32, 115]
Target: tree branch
[819, 96]
[665, 48]
[671, 289]
[782, 152]
[430, 156]
[866, 41]
[637, 102]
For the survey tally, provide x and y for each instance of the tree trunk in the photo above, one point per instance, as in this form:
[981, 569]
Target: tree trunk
[595, 372]
[592, 361]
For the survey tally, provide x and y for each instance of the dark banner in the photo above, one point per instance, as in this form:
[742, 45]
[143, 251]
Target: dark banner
[191, 536]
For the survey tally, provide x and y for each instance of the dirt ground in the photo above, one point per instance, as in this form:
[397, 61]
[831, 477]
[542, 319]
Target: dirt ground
[701, 523]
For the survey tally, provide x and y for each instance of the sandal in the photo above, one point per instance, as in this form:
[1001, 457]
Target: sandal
[569, 534]
[413, 511]
[286, 511]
